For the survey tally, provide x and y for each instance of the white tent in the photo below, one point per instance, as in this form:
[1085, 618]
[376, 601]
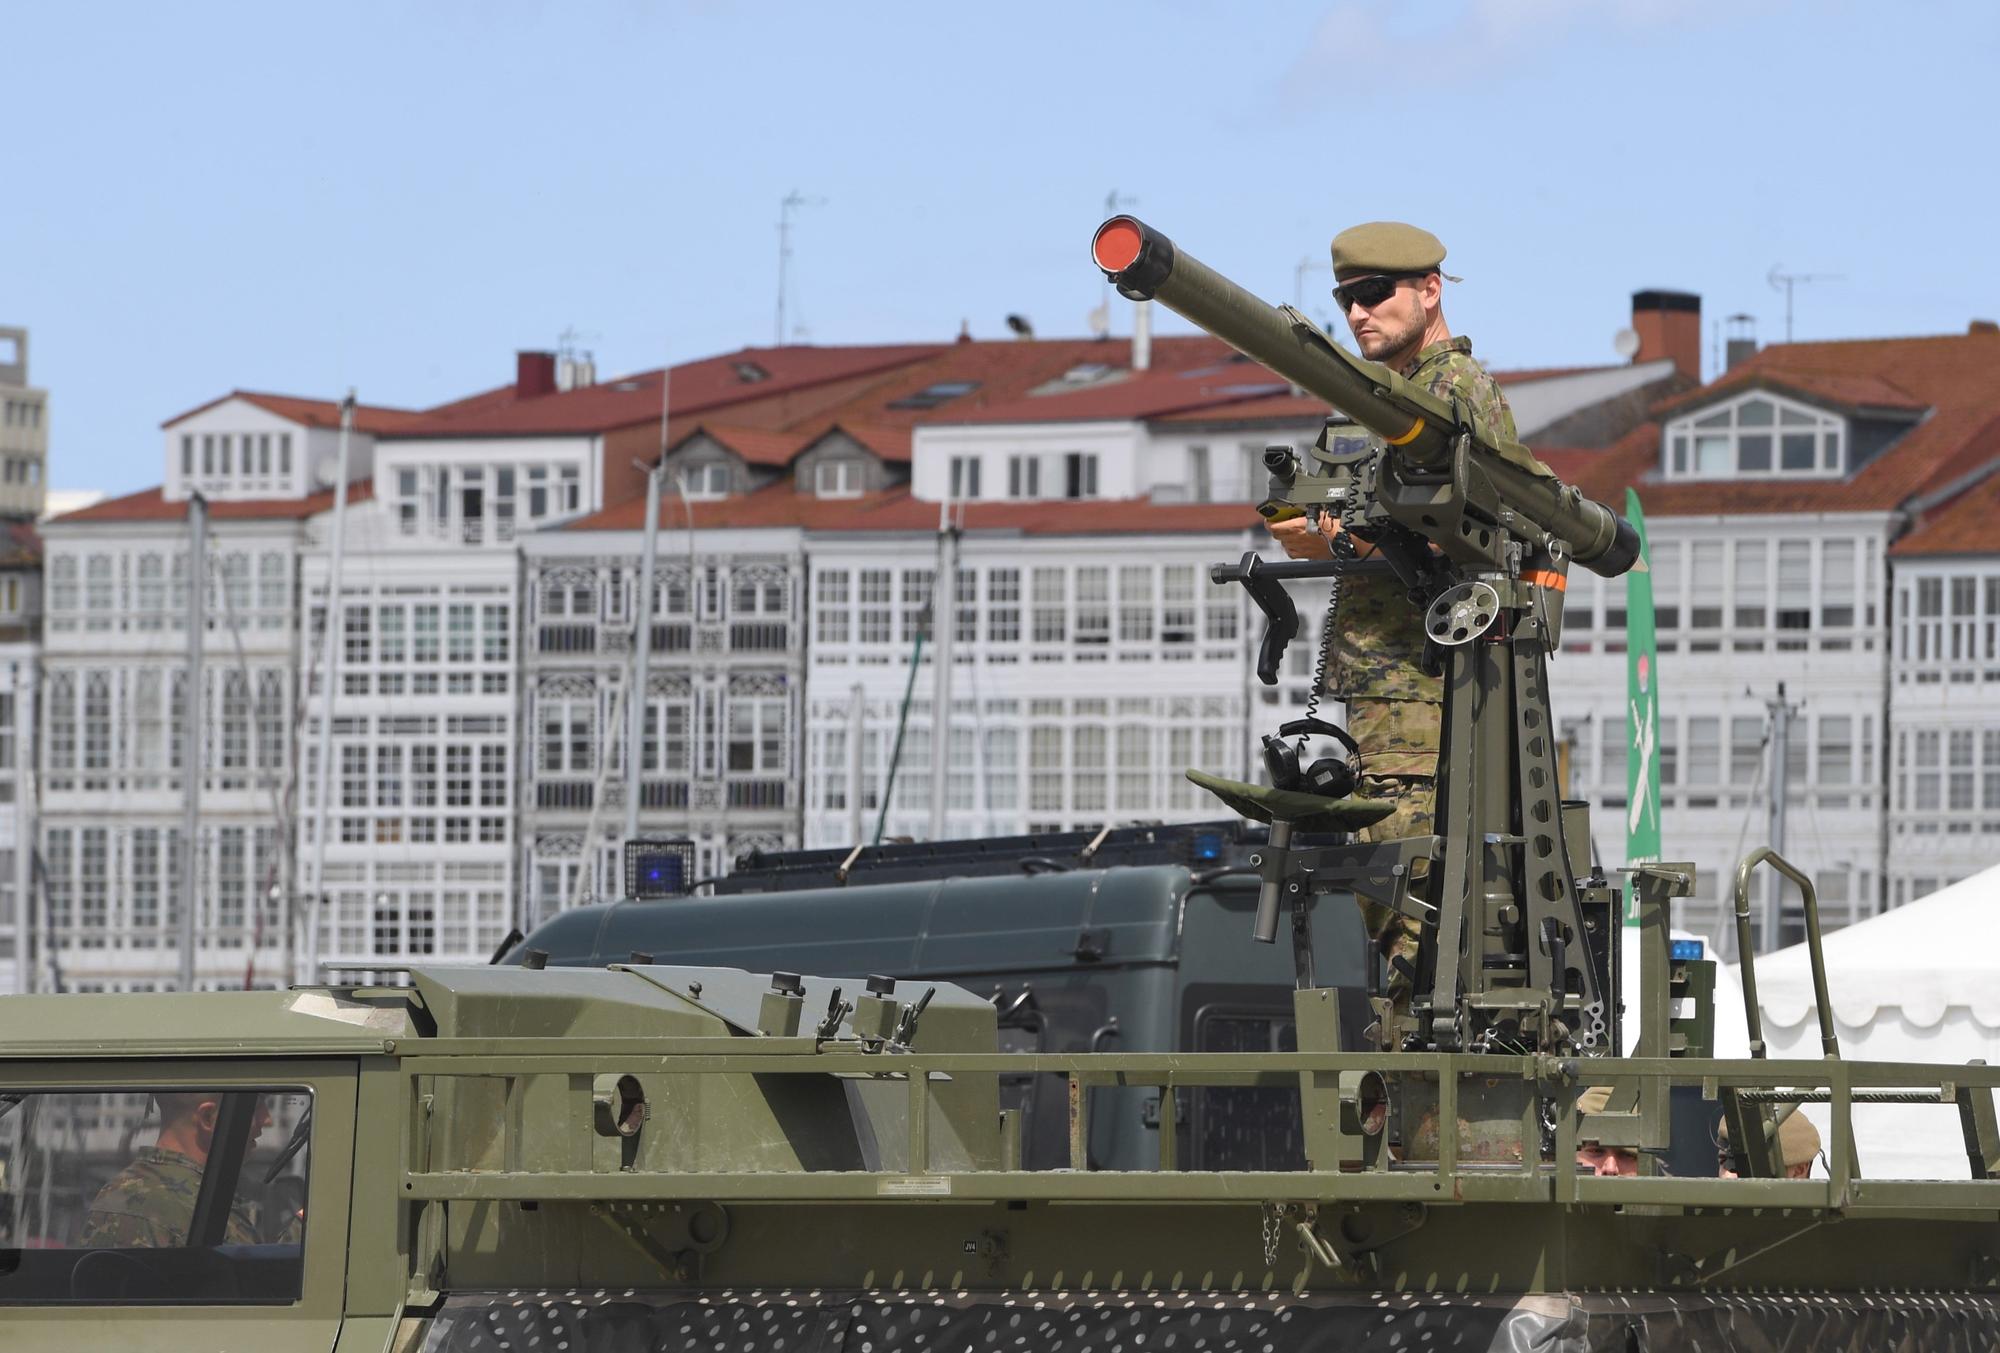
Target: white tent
[1917, 984]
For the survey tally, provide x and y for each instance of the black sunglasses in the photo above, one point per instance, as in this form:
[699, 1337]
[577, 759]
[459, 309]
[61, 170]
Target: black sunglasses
[1369, 292]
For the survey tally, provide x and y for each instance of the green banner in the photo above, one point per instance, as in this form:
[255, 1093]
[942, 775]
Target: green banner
[1642, 698]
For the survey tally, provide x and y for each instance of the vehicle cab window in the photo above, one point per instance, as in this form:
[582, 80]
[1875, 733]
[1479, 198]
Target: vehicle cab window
[165, 1196]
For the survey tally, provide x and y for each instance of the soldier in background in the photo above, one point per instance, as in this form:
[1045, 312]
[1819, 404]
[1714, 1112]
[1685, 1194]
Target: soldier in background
[1798, 1145]
[150, 1203]
[1390, 289]
[1607, 1162]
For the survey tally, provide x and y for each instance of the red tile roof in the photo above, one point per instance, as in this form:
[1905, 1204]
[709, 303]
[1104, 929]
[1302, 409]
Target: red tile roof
[1966, 524]
[748, 375]
[317, 413]
[150, 505]
[1287, 407]
[895, 510]
[1955, 379]
[754, 445]
[1847, 390]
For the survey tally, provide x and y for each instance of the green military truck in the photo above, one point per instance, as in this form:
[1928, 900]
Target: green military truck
[1125, 940]
[638, 1157]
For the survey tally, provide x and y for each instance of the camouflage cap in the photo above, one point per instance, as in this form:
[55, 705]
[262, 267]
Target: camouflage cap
[1385, 247]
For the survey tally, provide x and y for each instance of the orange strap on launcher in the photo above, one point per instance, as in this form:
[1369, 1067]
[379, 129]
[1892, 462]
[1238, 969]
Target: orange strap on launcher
[1553, 579]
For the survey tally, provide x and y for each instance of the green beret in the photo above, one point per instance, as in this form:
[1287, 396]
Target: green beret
[1384, 246]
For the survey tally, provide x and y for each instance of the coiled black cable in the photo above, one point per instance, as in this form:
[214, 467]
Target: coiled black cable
[1342, 546]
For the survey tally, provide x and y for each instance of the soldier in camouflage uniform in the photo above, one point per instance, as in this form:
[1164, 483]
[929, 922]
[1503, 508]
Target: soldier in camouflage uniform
[150, 1203]
[1390, 289]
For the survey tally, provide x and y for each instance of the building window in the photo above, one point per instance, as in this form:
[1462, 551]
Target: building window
[757, 734]
[838, 479]
[916, 604]
[1836, 750]
[874, 606]
[1704, 750]
[1024, 477]
[1755, 436]
[1093, 606]
[1051, 605]
[1003, 606]
[964, 476]
[1135, 603]
[568, 733]
[1079, 475]
[706, 481]
[830, 602]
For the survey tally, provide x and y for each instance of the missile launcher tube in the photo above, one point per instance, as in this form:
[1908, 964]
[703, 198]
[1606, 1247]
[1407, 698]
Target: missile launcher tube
[1146, 265]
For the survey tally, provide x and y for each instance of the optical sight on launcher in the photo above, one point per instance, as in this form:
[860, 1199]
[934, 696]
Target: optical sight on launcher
[1516, 951]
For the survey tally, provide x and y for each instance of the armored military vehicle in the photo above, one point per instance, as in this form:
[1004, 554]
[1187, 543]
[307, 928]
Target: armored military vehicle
[1125, 939]
[661, 1157]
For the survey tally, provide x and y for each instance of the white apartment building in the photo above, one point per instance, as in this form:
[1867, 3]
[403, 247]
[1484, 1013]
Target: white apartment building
[112, 752]
[721, 753]
[1090, 669]
[478, 716]
[1774, 498]
[1944, 796]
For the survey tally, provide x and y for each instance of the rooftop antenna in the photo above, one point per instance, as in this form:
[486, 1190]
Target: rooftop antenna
[1785, 281]
[575, 364]
[787, 207]
[1306, 265]
[1113, 200]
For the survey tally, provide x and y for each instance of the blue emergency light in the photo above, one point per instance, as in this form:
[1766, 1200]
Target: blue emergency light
[656, 869]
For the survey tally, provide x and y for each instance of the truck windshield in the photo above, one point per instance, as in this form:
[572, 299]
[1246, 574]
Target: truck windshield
[186, 1196]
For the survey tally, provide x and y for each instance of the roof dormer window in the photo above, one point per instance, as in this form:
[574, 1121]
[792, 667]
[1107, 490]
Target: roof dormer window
[838, 479]
[710, 480]
[1754, 436]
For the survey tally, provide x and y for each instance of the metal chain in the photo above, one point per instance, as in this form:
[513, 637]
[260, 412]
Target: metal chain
[1272, 1211]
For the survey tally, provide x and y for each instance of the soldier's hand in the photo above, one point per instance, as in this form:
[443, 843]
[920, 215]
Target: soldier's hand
[1300, 540]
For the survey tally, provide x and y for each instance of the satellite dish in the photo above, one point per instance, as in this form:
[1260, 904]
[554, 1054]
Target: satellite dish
[326, 469]
[1099, 320]
[1625, 343]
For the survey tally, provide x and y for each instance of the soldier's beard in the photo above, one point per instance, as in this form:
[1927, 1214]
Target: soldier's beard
[1391, 343]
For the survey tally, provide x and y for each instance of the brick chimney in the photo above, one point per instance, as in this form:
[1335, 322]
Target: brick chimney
[1669, 325]
[534, 374]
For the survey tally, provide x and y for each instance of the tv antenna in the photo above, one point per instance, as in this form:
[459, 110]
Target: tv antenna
[788, 206]
[1785, 281]
[1306, 265]
[1113, 200]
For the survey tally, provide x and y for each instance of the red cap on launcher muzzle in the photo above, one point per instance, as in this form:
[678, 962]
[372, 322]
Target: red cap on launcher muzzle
[1116, 246]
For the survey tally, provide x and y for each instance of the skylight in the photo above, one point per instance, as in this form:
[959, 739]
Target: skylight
[933, 395]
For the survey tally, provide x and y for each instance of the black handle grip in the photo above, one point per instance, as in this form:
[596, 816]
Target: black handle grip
[1281, 619]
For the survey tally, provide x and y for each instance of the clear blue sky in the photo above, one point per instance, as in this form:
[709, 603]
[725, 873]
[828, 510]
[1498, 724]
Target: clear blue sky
[396, 197]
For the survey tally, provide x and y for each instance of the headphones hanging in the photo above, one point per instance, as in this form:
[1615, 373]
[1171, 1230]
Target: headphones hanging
[1332, 777]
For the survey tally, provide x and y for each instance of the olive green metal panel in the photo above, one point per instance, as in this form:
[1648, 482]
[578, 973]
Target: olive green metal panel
[195, 1024]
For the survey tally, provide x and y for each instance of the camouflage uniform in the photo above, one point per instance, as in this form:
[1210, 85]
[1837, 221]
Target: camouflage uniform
[1394, 709]
[150, 1203]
